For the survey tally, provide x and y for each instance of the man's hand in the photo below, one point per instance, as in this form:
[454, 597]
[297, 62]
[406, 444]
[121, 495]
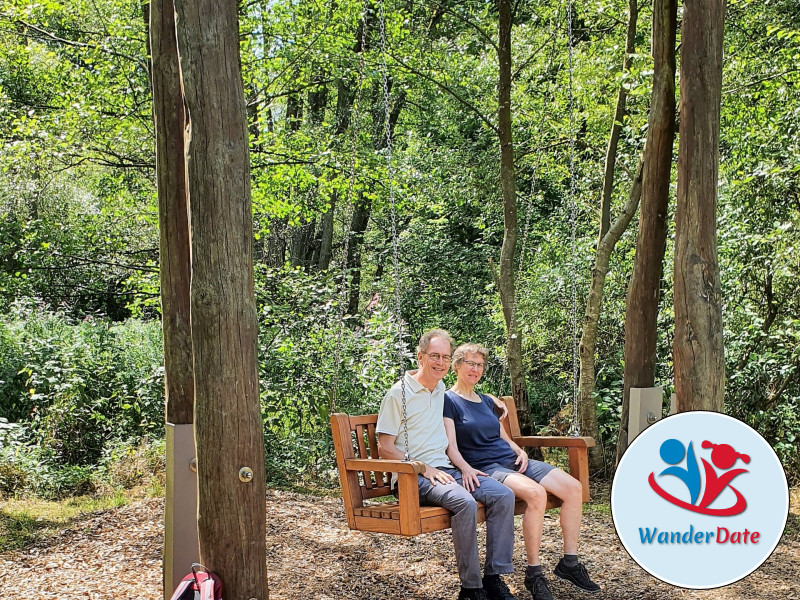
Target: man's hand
[522, 462]
[501, 406]
[437, 476]
[469, 478]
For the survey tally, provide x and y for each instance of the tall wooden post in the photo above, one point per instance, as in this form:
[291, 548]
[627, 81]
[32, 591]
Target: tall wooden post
[228, 429]
[698, 349]
[181, 546]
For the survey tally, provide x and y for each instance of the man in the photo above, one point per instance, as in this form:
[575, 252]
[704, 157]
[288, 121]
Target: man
[440, 485]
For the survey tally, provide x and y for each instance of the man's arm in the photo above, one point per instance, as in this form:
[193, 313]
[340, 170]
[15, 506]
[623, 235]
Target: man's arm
[387, 449]
[469, 476]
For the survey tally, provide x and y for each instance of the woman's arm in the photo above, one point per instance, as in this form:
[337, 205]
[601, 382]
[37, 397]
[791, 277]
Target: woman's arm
[522, 456]
[469, 476]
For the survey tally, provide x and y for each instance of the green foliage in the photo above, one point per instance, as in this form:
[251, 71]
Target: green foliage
[80, 385]
[311, 362]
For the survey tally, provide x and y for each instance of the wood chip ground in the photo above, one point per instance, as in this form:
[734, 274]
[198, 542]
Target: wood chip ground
[116, 555]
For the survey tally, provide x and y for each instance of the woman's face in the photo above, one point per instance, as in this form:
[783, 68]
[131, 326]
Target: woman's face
[470, 371]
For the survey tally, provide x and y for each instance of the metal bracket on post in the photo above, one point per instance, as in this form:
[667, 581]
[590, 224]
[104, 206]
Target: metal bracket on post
[645, 409]
[181, 542]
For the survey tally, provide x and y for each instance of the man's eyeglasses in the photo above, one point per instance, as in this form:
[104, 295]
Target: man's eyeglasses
[474, 365]
[436, 357]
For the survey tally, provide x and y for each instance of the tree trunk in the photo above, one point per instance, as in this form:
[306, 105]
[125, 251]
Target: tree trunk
[228, 429]
[506, 277]
[641, 312]
[616, 127]
[358, 226]
[361, 213]
[169, 117]
[587, 407]
[173, 214]
[698, 351]
[326, 237]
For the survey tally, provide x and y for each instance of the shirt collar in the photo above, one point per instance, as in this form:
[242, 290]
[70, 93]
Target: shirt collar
[416, 386]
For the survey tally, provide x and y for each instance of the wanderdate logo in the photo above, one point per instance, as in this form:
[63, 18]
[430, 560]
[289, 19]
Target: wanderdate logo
[723, 457]
[699, 500]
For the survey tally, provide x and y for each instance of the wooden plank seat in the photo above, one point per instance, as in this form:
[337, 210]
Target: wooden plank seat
[365, 477]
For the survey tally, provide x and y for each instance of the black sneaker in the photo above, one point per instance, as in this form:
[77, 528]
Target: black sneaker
[576, 575]
[472, 594]
[496, 588]
[538, 587]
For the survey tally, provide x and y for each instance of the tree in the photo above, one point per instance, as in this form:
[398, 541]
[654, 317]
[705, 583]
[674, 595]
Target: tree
[505, 279]
[697, 350]
[175, 270]
[641, 309]
[609, 236]
[228, 429]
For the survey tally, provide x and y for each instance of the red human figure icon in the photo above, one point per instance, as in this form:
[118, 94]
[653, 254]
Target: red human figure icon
[724, 457]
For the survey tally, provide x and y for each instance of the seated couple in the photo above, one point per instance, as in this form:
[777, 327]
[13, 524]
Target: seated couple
[468, 458]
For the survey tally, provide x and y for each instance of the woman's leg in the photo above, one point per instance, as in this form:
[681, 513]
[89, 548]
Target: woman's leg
[535, 498]
[566, 487]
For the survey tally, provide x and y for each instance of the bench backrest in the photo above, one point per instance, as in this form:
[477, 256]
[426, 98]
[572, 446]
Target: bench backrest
[355, 437]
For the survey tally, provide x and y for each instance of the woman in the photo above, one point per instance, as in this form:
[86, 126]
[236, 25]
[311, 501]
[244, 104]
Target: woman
[479, 445]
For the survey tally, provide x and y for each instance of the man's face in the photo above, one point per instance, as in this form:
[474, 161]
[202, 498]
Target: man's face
[435, 368]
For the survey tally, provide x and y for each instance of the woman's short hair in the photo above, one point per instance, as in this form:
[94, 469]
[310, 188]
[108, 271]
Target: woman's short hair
[426, 338]
[464, 349]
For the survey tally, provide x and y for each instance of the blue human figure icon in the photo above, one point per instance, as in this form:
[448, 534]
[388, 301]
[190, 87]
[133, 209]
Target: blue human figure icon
[672, 452]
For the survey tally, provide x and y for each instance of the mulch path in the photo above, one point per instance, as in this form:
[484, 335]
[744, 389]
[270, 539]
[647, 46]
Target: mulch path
[116, 555]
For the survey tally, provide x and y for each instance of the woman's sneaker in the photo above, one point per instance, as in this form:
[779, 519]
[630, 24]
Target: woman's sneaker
[576, 575]
[538, 587]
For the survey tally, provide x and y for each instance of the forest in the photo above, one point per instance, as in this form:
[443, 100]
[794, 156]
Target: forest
[379, 201]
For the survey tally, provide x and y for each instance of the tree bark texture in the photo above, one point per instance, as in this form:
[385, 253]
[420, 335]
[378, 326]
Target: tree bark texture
[620, 111]
[173, 213]
[506, 278]
[641, 312]
[587, 407]
[228, 429]
[697, 350]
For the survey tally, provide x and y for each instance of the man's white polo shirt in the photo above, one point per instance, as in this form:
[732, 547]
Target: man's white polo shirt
[427, 439]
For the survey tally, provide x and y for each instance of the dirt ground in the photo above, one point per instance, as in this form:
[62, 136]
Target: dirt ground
[311, 554]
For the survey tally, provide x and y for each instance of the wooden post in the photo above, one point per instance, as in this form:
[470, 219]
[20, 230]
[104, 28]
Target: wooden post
[645, 409]
[227, 417]
[181, 546]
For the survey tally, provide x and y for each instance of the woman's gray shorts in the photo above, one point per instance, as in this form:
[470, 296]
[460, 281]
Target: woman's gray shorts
[536, 470]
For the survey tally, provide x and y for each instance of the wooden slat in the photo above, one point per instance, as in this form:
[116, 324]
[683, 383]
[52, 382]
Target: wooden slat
[342, 441]
[511, 422]
[551, 441]
[381, 477]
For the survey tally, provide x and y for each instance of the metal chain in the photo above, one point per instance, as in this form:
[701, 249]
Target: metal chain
[355, 122]
[573, 228]
[395, 253]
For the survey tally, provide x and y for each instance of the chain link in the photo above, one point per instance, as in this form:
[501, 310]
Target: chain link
[573, 227]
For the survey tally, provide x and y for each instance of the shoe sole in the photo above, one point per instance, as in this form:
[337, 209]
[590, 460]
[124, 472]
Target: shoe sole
[562, 578]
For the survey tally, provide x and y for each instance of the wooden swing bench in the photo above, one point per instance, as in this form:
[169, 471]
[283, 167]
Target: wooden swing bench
[365, 476]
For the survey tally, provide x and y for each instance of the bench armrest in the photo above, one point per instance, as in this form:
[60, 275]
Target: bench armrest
[385, 465]
[549, 441]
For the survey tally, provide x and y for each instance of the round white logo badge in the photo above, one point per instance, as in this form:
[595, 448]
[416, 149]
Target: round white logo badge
[699, 500]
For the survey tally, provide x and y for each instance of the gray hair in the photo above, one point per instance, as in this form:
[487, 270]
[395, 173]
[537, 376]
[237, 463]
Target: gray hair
[464, 349]
[426, 338]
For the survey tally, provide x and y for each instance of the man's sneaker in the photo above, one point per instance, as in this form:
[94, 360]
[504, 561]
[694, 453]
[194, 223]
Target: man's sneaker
[576, 575]
[538, 587]
[472, 594]
[496, 588]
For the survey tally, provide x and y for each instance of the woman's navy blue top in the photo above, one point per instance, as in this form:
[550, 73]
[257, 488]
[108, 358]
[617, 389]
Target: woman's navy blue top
[477, 430]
